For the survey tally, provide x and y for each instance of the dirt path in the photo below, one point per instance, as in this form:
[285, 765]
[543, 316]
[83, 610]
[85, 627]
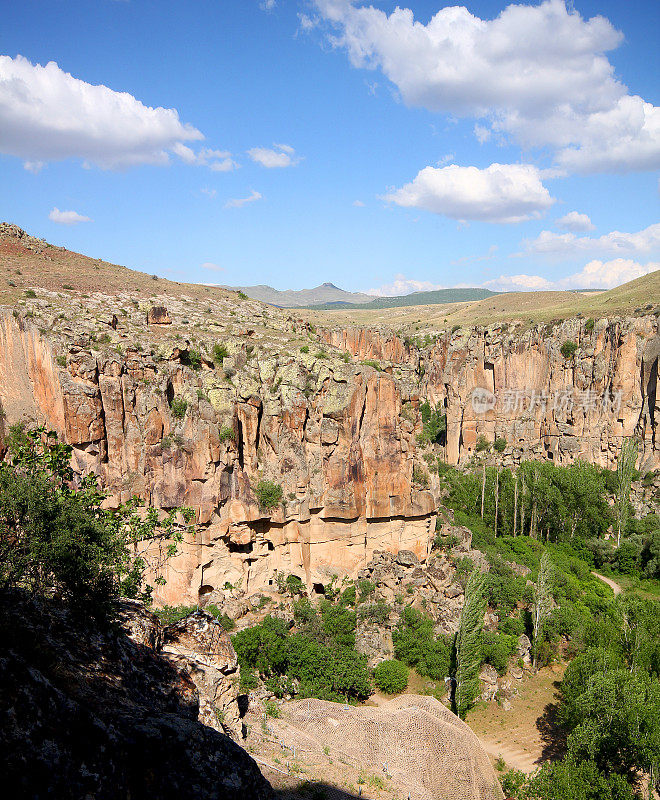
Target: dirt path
[514, 758]
[614, 586]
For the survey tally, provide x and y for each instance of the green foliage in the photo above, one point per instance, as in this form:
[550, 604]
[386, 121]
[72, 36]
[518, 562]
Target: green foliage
[497, 649]
[415, 645]
[179, 406]
[468, 640]
[374, 364]
[219, 353]
[168, 615]
[321, 354]
[294, 585]
[30, 294]
[589, 325]
[272, 709]
[366, 588]
[568, 349]
[420, 476]
[391, 676]
[378, 612]
[225, 434]
[242, 296]
[324, 666]
[482, 444]
[191, 358]
[56, 539]
[434, 424]
[499, 445]
[304, 349]
[61, 361]
[625, 467]
[268, 494]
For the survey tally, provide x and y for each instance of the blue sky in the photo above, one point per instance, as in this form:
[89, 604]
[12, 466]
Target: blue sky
[329, 140]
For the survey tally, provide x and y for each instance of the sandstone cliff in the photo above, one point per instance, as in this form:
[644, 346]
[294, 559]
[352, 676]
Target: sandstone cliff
[151, 413]
[543, 403]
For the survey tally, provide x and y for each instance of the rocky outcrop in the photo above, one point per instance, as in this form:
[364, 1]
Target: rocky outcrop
[91, 712]
[329, 433]
[514, 382]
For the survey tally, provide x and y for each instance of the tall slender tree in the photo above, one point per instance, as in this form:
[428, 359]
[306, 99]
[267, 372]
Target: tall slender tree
[542, 604]
[625, 468]
[468, 651]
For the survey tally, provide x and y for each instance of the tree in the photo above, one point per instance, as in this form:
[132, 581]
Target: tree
[625, 468]
[468, 644]
[391, 676]
[542, 603]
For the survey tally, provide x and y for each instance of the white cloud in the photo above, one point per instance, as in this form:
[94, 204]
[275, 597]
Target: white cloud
[216, 160]
[34, 167]
[615, 243]
[358, 203]
[213, 267]
[47, 114]
[67, 217]
[518, 283]
[500, 193]
[594, 275]
[211, 193]
[538, 73]
[268, 5]
[573, 221]
[402, 285]
[280, 155]
[482, 133]
[238, 202]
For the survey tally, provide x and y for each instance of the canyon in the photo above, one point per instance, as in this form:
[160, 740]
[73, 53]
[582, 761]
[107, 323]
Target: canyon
[331, 414]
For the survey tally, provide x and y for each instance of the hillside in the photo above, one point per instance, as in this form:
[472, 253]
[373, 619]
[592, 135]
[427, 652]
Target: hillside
[636, 298]
[439, 296]
[325, 294]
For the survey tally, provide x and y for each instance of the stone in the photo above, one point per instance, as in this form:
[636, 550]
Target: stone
[406, 558]
[488, 674]
[157, 315]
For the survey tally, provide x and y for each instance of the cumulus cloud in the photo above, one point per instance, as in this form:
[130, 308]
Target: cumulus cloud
[594, 275]
[210, 193]
[358, 203]
[280, 155]
[615, 243]
[47, 114]
[537, 73]
[500, 193]
[573, 221]
[34, 167]
[213, 267]
[216, 160]
[67, 217]
[238, 202]
[402, 285]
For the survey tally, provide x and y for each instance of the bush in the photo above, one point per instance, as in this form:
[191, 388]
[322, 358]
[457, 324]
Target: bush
[589, 325]
[191, 358]
[30, 293]
[391, 676]
[304, 349]
[482, 444]
[179, 406]
[268, 494]
[168, 615]
[499, 445]
[376, 612]
[219, 353]
[420, 476]
[568, 349]
[373, 364]
[225, 434]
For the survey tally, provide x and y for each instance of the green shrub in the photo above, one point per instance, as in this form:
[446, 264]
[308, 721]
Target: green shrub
[179, 406]
[219, 352]
[294, 585]
[377, 613]
[168, 615]
[30, 293]
[304, 349]
[391, 676]
[482, 444]
[191, 358]
[225, 434]
[61, 361]
[420, 476]
[568, 349]
[269, 494]
[272, 709]
[373, 364]
[321, 354]
[242, 296]
[589, 325]
[499, 444]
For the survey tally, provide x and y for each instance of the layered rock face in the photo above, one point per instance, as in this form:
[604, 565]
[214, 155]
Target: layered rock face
[329, 433]
[544, 403]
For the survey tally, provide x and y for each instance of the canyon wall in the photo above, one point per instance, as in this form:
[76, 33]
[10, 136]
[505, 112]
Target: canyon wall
[514, 383]
[329, 433]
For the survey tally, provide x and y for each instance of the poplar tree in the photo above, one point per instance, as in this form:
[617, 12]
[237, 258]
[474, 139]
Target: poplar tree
[625, 467]
[468, 650]
[542, 603]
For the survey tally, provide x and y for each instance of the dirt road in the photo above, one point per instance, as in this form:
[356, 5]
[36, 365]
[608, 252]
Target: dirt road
[615, 586]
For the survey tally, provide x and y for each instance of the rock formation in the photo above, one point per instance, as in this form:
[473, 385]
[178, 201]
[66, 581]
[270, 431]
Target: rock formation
[542, 402]
[88, 712]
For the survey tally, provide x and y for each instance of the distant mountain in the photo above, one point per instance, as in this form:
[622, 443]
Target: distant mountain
[327, 297]
[291, 298]
[415, 299]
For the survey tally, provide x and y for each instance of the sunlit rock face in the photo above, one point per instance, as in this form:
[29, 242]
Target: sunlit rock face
[329, 433]
[546, 404]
